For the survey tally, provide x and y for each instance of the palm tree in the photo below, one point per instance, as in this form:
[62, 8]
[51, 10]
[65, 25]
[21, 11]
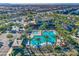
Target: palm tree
[47, 38]
[38, 41]
[43, 26]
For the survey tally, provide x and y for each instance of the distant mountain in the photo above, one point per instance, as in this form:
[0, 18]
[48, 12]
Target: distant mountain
[51, 4]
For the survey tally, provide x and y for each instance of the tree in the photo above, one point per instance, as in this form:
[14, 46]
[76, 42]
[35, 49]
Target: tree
[43, 26]
[38, 41]
[47, 38]
[72, 52]
[9, 35]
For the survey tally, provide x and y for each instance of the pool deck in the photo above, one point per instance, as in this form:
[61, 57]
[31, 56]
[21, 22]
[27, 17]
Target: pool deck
[41, 34]
[38, 33]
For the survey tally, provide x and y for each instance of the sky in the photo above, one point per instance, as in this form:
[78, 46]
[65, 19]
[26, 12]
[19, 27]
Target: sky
[39, 1]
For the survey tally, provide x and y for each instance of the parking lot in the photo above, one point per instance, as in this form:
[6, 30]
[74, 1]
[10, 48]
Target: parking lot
[4, 45]
[4, 48]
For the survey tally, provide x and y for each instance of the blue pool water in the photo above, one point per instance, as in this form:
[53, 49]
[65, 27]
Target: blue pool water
[37, 40]
[35, 32]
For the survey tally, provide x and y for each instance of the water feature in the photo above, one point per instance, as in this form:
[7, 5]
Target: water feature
[40, 39]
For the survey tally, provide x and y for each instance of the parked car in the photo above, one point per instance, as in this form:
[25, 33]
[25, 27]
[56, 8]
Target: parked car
[1, 44]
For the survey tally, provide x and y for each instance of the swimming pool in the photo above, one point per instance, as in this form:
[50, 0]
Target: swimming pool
[40, 39]
[35, 32]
